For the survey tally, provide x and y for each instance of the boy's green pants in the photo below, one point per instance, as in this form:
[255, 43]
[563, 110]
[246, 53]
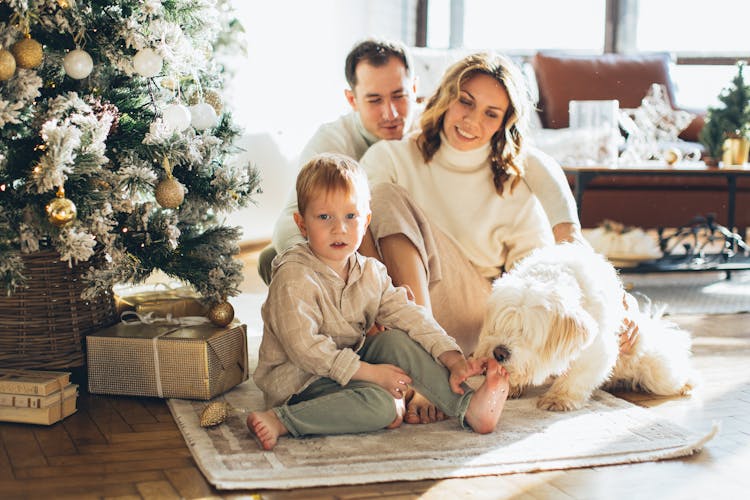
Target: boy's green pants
[327, 407]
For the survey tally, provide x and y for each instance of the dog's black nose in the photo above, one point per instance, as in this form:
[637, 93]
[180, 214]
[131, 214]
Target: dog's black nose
[501, 353]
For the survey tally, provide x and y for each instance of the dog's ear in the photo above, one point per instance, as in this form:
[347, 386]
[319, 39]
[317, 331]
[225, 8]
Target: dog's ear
[569, 333]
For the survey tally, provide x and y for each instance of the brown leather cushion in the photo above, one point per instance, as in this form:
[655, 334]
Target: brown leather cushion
[562, 78]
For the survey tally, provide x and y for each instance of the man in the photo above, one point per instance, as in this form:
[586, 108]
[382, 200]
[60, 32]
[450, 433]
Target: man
[382, 96]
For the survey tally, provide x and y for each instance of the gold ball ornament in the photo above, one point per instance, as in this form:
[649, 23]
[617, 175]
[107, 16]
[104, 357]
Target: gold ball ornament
[169, 83]
[221, 314]
[7, 65]
[210, 97]
[28, 52]
[61, 211]
[170, 193]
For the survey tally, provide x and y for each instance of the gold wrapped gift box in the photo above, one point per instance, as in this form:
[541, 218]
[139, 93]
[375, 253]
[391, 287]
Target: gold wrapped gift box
[169, 361]
[160, 298]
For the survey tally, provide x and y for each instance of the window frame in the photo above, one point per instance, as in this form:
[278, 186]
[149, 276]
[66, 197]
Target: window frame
[621, 19]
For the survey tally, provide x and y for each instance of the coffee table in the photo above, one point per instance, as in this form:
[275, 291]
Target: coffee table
[739, 259]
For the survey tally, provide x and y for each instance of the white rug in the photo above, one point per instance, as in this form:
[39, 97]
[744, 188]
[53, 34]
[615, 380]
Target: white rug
[607, 431]
[694, 293]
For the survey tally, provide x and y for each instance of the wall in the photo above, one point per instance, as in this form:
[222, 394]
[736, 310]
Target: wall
[292, 80]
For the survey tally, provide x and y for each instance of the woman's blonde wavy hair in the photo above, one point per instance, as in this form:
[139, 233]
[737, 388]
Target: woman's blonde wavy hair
[506, 143]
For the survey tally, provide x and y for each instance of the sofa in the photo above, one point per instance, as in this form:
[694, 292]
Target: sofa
[556, 78]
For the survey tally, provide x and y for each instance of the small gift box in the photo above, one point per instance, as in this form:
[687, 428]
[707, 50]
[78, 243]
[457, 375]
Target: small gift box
[167, 360]
[162, 299]
[36, 396]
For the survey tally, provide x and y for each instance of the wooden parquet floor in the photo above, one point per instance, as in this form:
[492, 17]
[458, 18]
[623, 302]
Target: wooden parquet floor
[126, 447]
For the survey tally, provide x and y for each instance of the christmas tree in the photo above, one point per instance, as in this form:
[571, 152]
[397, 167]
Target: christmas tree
[115, 146]
[732, 120]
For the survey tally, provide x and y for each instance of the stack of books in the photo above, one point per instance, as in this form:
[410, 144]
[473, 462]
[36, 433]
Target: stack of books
[36, 396]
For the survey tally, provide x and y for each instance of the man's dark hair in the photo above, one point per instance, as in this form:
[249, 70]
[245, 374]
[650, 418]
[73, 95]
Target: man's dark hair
[376, 53]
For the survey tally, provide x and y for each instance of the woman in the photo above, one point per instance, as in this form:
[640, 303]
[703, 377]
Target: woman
[453, 205]
[450, 208]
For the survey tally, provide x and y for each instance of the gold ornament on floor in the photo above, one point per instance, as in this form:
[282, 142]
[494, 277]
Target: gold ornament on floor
[217, 412]
[27, 52]
[221, 314]
[214, 413]
[61, 211]
[7, 65]
[169, 192]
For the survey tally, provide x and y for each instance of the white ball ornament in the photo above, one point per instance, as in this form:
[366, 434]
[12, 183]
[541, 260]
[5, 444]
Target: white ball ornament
[203, 116]
[78, 64]
[147, 63]
[176, 117]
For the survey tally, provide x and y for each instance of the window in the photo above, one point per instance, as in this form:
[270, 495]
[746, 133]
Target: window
[693, 26]
[709, 33]
[513, 26]
[706, 38]
[517, 27]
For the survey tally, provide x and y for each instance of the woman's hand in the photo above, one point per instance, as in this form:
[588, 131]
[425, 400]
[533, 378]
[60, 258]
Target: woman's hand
[629, 329]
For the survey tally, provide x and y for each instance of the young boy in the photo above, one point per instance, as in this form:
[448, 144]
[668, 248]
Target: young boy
[319, 372]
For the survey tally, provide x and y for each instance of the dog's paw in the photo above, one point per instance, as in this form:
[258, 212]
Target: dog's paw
[556, 403]
[515, 391]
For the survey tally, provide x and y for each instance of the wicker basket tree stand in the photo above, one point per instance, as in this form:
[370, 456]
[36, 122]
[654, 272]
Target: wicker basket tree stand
[43, 325]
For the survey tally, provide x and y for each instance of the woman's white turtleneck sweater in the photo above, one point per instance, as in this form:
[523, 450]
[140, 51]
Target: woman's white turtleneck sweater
[457, 193]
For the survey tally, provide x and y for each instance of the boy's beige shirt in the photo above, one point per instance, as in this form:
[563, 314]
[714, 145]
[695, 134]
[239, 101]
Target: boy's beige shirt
[314, 323]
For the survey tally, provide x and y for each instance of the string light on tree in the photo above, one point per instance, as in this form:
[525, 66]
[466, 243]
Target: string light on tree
[169, 192]
[61, 211]
[78, 64]
[147, 63]
[27, 52]
[7, 65]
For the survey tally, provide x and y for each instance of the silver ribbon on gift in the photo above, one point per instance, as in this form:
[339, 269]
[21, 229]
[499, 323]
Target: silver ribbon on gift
[133, 318]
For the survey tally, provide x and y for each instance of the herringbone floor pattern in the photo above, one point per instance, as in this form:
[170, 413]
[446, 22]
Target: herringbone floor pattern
[124, 447]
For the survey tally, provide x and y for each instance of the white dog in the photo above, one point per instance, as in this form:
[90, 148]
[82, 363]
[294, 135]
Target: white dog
[559, 313]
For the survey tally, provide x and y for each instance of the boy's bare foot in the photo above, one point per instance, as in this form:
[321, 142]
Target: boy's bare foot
[419, 410]
[266, 427]
[488, 401]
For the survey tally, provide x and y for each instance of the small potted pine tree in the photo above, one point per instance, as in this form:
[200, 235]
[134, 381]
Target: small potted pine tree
[726, 134]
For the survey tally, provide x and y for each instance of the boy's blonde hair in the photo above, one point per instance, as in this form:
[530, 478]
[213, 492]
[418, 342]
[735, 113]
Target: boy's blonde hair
[328, 172]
